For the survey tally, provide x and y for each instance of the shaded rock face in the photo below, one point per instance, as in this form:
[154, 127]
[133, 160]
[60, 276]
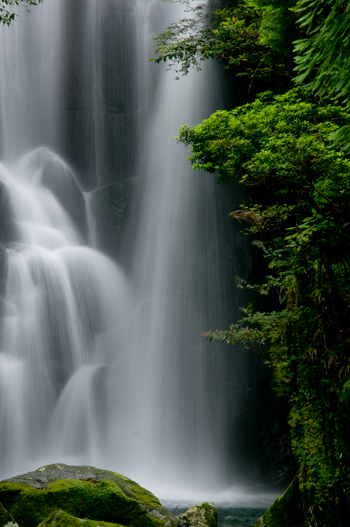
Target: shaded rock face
[110, 204]
[7, 227]
[7, 230]
[64, 495]
[100, 107]
[59, 179]
[99, 97]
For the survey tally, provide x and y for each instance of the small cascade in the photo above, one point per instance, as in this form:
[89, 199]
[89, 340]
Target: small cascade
[60, 297]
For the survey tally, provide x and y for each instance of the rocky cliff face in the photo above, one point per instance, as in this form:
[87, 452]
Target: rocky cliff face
[100, 95]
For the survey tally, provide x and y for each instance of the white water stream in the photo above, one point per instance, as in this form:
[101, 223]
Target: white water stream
[97, 368]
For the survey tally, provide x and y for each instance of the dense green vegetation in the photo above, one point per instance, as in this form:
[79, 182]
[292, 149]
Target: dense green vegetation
[239, 35]
[288, 147]
[7, 15]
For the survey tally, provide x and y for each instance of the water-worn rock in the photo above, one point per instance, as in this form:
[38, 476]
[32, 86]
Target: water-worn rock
[286, 511]
[200, 515]
[59, 495]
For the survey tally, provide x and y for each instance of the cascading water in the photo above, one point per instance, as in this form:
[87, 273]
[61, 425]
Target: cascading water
[178, 430]
[97, 368]
[62, 301]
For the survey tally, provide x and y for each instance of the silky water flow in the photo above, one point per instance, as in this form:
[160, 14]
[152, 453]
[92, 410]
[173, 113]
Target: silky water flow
[102, 363]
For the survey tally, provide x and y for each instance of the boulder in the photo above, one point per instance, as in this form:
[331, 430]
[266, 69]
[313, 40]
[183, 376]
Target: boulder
[286, 511]
[200, 515]
[67, 495]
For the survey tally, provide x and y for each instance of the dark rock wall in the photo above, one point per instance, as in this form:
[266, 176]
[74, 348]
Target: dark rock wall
[100, 102]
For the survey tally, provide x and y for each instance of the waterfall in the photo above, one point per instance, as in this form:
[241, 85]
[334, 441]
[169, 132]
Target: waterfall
[101, 361]
[177, 432]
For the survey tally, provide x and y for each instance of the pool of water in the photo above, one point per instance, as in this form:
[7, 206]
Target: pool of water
[228, 516]
[236, 507]
[238, 516]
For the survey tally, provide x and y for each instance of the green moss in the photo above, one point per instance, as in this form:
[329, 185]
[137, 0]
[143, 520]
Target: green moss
[210, 514]
[62, 519]
[200, 515]
[104, 500]
[145, 495]
[115, 499]
[5, 517]
[27, 505]
[286, 511]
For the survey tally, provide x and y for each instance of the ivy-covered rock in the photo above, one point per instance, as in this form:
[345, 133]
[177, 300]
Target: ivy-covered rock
[286, 511]
[200, 515]
[62, 495]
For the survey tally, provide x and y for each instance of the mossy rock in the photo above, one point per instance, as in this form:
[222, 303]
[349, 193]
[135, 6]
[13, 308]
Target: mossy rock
[63, 519]
[286, 511]
[6, 519]
[87, 493]
[200, 515]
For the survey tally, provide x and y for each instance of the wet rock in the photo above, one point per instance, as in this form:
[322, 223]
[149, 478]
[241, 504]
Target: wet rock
[8, 230]
[200, 515]
[109, 205]
[100, 102]
[59, 179]
[102, 497]
[3, 265]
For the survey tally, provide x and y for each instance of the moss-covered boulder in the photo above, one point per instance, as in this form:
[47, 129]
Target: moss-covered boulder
[63, 519]
[57, 493]
[200, 515]
[6, 519]
[286, 511]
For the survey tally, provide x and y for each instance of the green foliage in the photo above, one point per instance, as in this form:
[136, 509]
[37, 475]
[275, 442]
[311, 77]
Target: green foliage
[324, 54]
[281, 149]
[271, 141]
[264, 40]
[279, 26]
[232, 34]
[323, 57]
[6, 15]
